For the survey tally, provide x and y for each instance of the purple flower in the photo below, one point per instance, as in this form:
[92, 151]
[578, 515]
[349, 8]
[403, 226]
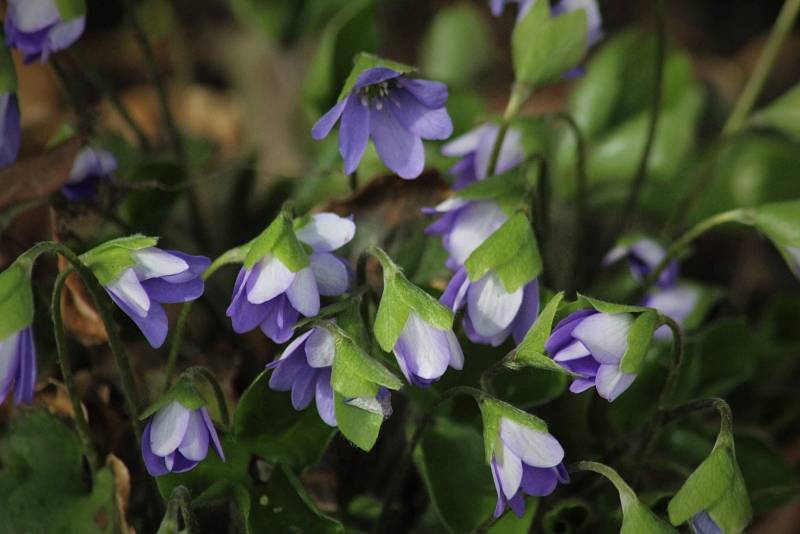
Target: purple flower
[18, 366]
[475, 150]
[702, 523]
[594, 22]
[492, 313]
[271, 296]
[35, 28]
[676, 302]
[158, 277]
[644, 255]
[464, 226]
[90, 166]
[305, 368]
[396, 112]
[176, 439]
[525, 462]
[423, 351]
[9, 119]
[591, 345]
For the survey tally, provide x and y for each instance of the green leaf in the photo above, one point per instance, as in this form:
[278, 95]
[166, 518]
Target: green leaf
[359, 426]
[279, 240]
[783, 114]
[780, 222]
[464, 497]
[706, 485]
[71, 9]
[355, 373]
[544, 47]
[267, 424]
[183, 391]
[511, 251]
[400, 297]
[511, 184]
[732, 512]
[109, 260]
[16, 299]
[457, 46]
[609, 307]
[41, 483]
[366, 61]
[639, 337]
[349, 31]
[8, 74]
[536, 338]
[492, 410]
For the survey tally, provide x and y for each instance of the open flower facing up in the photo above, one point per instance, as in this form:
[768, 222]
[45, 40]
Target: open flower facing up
[157, 277]
[464, 225]
[396, 112]
[176, 439]
[526, 461]
[424, 352]
[18, 366]
[9, 121]
[644, 255]
[475, 150]
[492, 313]
[90, 166]
[594, 22]
[271, 296]
[36, 28]
[305, 368]
[591, 345]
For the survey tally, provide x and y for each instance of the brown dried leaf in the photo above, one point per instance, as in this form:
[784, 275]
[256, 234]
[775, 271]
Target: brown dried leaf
[78, 312]
[38, 176]
[122, 487]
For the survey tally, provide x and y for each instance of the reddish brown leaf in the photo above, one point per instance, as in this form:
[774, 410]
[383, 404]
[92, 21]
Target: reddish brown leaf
[78, 312]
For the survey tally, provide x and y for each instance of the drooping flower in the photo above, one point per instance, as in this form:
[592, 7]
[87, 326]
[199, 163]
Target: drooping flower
[176, 439]
[36, 28]
[644, 255]
[305, 368]
[396, 112]
[591, 345]
[18, 366]
[594, 22]
[475, 150]
[271, 296]
[157, 277]
[676, 302]
[492, 313]
[424, 352]
[9, 118]
[526, 461]
[90, 166]
[464, 225]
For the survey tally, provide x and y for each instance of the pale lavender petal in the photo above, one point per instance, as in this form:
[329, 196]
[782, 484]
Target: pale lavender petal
[475, 337]
[324, 398]
[605, 335]
[287, 370]
[419, 119]
[475, 223]
[535, 448]
[291, 348]
[212, 432]
[63, 35]
[456, 291]
[269, 278]
[456, 354]
[280, 320]
[197, 266]
[430, 93]
[468, 142]
[528, 311]
[33, 15]
[611, 382]
[153, 262]
[491, 308]
[155, 464]
[326, 232]
[9, 362]
[510, 153]
[126, 288]
[169, 426]
[154, 325]
[320, 349]
[331, 274]
[303, 388]
[509, 469]
[303, 293]
[244, 315]
[397, 147]
[354, 132]
[424, 348]
[562, 335]
[326, 123]
[579, 385]
[194, 445]
[500, 507]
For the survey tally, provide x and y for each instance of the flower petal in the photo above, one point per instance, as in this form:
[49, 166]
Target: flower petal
[490, 307]
[420, 120]
[375, 75]
[536, 448]
[455, 293]
[287, 369]
[9, 362]
[269, 278]
[127, 289]
[169, 426]
[320, 349]
[611, 382]
[424, 348]
[303, 293]
[25, 380]
[354, 132]
[153, 263]
[539, 481]
[397, 147]
[331, 274]
[194, 445]
[154, 325]
[325, 232]
[605, 335]
[509, 469]
[244, 314]
[528, 311]
[430, 93]
[324, 398]
[280, 321]
[33, 15]
[212, 432]
[326, 123]
[303, 388]
[155, 464]
[473, 225]
[468, 142]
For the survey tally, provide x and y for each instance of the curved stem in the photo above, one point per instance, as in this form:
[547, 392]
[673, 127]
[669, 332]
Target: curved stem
[781, 28]
[519, 94]
[205, 372]
[626, 494]
[655, 112]
[234, 255]
[405, 462]
[81, 424]
[738, 215]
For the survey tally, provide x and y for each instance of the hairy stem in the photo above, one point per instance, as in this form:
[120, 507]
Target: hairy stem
[519, 94]
[81, 424]
[781, 28]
